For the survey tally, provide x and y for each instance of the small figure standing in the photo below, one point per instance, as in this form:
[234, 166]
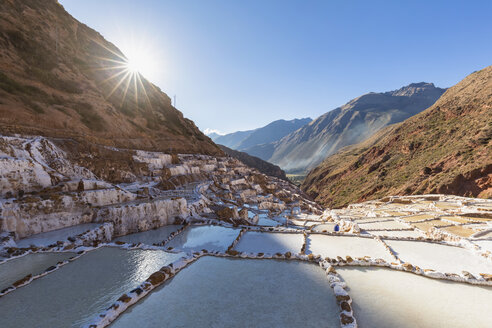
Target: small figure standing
[337, 228]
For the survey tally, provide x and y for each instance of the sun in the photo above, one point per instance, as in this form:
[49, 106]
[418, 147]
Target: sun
[130, 69]
[133, 66]
[140, 60]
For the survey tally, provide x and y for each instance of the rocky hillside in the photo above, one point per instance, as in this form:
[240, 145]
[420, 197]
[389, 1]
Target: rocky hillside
[445, 149]
[255, 162]
[244, 140]
[60, 78]
[347, 125]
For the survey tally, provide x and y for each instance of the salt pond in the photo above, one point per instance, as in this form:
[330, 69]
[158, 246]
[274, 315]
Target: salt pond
[212, 238]
[326, 227]
[389, 224]
[333, 246]
[78, 291]
[261, 242]
[442, 258]
[218, 292]
[485, 244]
[396, 233]
[384, 298]
[151, 236]
[51, 237]
[34, 264]
[265, 221]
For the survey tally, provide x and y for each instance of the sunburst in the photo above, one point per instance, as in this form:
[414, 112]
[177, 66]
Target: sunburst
[126, 71]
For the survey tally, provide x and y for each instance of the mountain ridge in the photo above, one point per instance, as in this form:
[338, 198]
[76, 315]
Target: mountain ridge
[242, 140]
[445, 149]
[61, 79]
[348, 124]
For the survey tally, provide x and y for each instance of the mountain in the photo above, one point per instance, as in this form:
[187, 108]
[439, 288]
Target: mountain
[60, 78]
[255, 162]
[346, 125]
[213, 135]
[243, 140]
[233, 140]
[445, 149]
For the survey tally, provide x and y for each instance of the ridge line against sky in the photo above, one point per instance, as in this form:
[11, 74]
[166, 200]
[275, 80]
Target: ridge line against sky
[239, 65]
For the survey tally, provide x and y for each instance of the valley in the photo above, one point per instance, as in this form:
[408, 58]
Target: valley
[117, 211]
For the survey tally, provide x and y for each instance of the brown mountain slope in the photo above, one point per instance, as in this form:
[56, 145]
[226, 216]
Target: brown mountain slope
[445, 149]
[60, 78]
[255, 162]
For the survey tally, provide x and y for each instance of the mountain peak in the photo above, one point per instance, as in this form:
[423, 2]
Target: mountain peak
[415, 88]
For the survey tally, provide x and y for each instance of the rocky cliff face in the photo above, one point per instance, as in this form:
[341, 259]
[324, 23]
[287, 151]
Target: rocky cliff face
[349, 124]
[445, 149]
[59, 78]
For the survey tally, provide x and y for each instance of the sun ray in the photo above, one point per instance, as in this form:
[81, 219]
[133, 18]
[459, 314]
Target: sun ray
[125, 73]
[125, 92]
[144, 91]
[119, 83]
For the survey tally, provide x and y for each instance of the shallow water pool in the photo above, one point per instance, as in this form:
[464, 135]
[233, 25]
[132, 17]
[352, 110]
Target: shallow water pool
[218, 292]
[80, 290]
[448, 259]
[212, 238]
[51, 237]
[333, 246]
[151, 236]
[385, 298]
[34, 264]
[262, 242]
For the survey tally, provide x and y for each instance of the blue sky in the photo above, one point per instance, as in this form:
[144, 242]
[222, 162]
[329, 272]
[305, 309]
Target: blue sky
[237, 65]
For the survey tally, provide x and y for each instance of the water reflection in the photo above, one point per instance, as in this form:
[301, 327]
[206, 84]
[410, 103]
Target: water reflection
[217, 292]
[74, 294]
[213, 238]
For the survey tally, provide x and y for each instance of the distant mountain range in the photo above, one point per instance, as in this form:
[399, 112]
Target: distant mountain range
[351, 123]
[445, 149]
[243, 140]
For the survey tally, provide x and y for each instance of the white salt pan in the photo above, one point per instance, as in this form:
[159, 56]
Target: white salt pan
[51, 237]
[78, 291]
[258, 242]
[333, 246]
[34, 264]
[151, 236]
[402, 234]
[212, 238]
[447, 259]
[329, 227]
[217, 292]
[383, 225]
[384, 298]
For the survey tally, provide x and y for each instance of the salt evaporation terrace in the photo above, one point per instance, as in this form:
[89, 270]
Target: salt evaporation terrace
[203, 241]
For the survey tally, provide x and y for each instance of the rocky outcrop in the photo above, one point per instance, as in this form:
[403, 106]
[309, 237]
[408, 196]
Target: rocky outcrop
[445, 149]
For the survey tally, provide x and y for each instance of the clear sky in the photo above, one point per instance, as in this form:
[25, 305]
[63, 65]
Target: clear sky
[237, 65]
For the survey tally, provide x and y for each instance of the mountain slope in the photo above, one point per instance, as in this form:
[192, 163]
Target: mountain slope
[445, 149]
[232, 140]
[242, 140]
[349, 124]
[255, 162]
[59, 78]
